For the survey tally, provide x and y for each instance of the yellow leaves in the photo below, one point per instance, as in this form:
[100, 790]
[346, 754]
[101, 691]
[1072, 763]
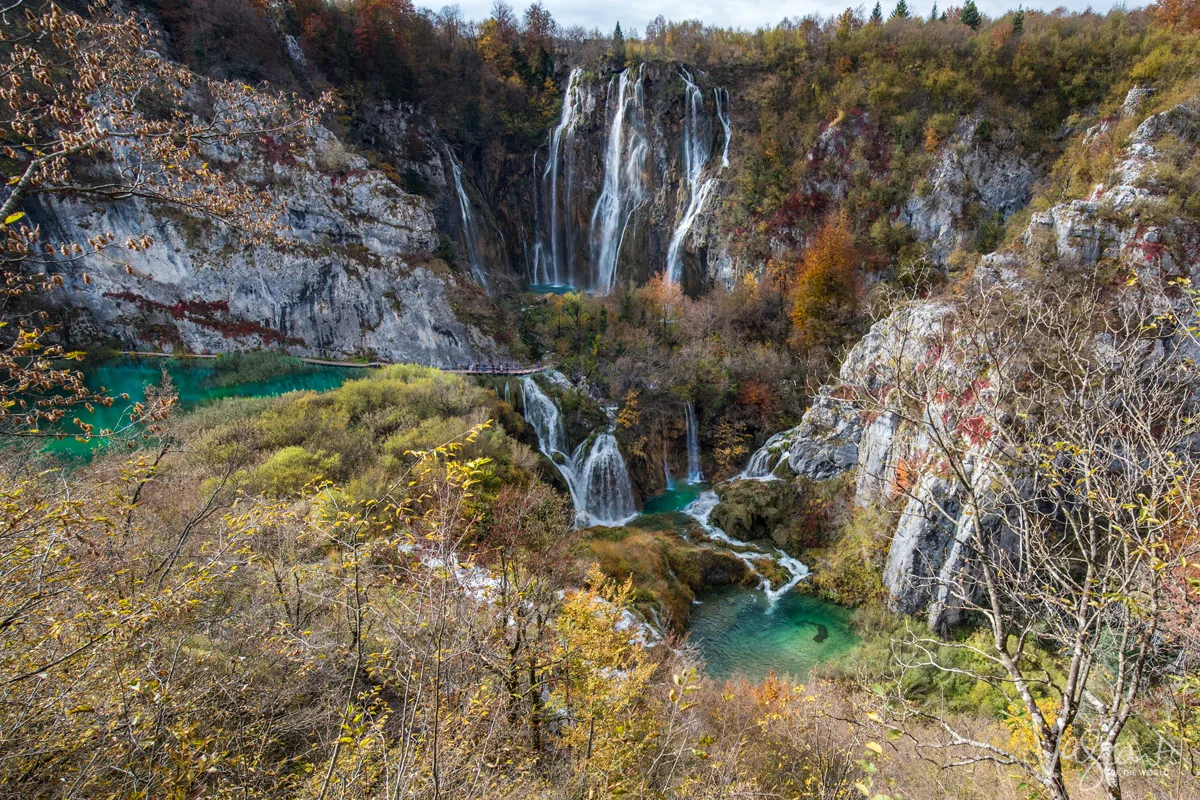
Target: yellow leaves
[11, 218]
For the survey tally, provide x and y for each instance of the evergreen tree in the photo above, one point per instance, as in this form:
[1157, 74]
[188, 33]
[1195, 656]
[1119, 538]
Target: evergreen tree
[942, 18]
[877, 16]
[900, 11]
[933, 15]
[618, 44]
[1018, 21]
[970, 15]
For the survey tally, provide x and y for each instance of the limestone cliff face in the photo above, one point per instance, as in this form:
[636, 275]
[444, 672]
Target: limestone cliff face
[352, 275]
[890, 455]
[982, 171]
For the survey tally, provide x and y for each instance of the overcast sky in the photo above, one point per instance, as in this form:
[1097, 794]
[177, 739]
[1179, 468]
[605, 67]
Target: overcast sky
[749, 14]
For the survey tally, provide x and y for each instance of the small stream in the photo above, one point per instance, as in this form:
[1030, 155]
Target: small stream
[755, 631]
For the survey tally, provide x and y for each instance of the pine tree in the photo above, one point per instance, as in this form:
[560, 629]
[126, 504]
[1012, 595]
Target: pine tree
[877, 16]
[900, 11]
[618, 44]
[933, 15]
[1018, 21]
[970, 15]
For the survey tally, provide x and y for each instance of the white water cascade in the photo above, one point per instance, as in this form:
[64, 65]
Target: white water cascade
[554, 251]
[701, 509]
[694, 474]
[469, 230]
[697, 136]
[596, 476]
[624, 187]
[721, 101]
[766, 459]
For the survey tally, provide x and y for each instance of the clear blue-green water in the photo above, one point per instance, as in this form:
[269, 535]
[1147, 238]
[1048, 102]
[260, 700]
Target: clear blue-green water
[193, 382]
[549, 288]
[675, 498]
[740, 634]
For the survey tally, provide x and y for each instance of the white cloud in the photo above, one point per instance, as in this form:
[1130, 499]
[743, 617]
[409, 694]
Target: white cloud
[748, 14]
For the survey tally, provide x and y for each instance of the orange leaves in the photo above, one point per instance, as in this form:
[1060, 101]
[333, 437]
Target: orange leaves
[1181, 14]
[826, 282]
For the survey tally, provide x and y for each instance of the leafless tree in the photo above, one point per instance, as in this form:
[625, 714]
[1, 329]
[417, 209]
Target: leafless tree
[1056, 440]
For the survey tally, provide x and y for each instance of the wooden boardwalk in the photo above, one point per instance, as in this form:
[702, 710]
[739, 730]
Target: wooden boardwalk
[323, 362]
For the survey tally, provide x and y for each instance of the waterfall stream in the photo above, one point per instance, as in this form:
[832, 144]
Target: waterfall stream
[469, 229]
[695, 473]
[624, 187]
[595, 473]
[721, 101]
[701, 509]
[766, 459]
[553, 255]
[697, 137]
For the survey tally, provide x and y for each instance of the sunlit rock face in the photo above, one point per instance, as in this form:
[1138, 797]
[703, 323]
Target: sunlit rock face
[352, 274]
[892, 456]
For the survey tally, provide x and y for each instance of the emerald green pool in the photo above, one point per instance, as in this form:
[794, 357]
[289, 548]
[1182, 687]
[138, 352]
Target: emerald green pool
[549, 288]
[675, 498]
[193, 382]
[739, 634]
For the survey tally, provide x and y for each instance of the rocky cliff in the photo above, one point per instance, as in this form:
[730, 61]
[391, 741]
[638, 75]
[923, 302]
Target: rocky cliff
[1125, 227]
[351, 274]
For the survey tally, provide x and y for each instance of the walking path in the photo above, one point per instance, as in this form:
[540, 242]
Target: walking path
[474, 369]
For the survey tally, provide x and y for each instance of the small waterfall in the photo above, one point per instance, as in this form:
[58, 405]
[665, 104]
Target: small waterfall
[542, 413]
[701, 509]
[695, 473]
[623, 189]
[766, 459]
[603, 481]
[721, 100]
[469, 230]
[596, 477]
[553, 262]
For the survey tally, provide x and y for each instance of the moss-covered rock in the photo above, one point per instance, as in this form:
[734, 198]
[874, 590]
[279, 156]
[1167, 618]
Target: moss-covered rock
[795, 514]
[667, 570]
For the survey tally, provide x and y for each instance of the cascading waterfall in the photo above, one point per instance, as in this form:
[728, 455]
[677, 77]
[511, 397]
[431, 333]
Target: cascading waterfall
[766, 459]
[470, 231]
[624, 187]
[721, 101]
[552, 261]
[604, 483]
[596, 476]
[701, 509]
[697, 136]
[695, 473]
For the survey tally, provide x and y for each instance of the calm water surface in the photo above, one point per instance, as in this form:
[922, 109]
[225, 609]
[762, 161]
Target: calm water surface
[193, 381]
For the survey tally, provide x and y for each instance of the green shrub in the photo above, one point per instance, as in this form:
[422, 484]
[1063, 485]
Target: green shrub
[290, 470]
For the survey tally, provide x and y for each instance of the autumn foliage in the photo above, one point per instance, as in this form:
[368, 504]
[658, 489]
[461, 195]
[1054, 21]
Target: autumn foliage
[826, 287]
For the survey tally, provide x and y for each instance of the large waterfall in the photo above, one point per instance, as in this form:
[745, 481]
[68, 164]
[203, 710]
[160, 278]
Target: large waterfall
[596, 475]
[624, 186]
[554, 252]
[697, 137]
[629, 180]
[470, 230]
[695, 473]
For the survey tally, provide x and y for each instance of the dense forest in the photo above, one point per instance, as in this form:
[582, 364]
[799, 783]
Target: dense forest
[867, 469]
